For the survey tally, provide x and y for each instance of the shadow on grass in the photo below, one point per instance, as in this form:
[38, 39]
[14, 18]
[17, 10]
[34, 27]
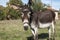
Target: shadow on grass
[40, 36]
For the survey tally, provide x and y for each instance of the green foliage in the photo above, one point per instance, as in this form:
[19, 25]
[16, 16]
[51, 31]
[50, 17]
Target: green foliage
[37, 5]
[10, 13]
[16, 2]
[7, 11]
[14, 14]
[1, 13]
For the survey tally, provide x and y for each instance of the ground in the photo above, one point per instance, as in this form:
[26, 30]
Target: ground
[13, 30]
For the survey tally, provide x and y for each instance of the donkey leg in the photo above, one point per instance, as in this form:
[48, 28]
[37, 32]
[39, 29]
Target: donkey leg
[53, 29]
[49, 33]
[34, 30]
[35, 33]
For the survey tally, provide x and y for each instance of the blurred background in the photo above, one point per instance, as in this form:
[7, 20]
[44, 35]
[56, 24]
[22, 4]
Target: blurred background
[8, 13]
[11, 27]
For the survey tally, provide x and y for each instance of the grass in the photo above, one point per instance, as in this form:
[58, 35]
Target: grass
[13, 30]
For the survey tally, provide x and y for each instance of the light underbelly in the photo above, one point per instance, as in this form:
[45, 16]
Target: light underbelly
[44, 25]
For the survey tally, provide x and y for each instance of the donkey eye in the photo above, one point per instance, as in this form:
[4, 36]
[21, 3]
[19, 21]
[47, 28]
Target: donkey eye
[29, 14]
[22, 14]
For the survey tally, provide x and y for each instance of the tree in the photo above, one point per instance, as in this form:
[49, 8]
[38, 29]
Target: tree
[16, 2]
[2, 12]
[12, 13]
[38, 5]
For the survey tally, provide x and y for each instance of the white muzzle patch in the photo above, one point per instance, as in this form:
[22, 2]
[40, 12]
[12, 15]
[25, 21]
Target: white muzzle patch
[25, 22]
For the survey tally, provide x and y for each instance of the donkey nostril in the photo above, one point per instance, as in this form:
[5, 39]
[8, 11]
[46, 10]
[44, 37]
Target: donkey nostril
[25, 28]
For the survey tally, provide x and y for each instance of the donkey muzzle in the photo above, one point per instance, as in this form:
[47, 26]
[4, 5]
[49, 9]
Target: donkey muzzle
[25, 26]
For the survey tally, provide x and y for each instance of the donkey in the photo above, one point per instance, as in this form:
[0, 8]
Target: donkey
[38, 19]
[43, 19]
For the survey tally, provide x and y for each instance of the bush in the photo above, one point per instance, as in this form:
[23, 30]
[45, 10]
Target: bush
[14, 14]
[2, 16]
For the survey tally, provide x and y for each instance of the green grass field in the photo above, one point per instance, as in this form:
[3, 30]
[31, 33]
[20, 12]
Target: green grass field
[13, 30]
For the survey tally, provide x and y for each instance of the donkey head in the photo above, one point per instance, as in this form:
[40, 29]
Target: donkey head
[25, 15]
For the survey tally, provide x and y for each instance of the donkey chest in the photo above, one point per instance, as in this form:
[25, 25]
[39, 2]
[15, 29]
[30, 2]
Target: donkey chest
[44, 25]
